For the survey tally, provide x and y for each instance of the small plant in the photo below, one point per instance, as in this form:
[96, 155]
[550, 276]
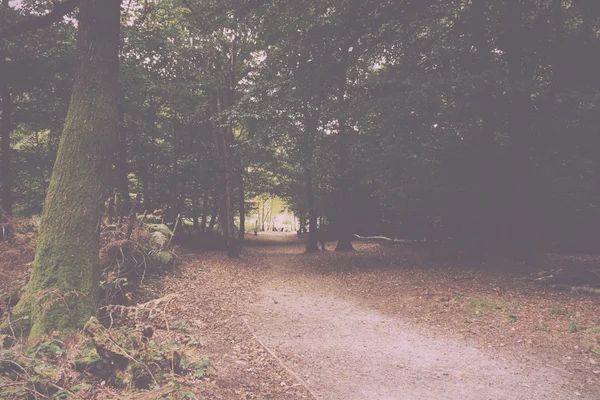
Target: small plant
[481, 306]
[200, 367]
[64, 367]
[181, 325]
[187, 396]
[559, 311]
[574, 326]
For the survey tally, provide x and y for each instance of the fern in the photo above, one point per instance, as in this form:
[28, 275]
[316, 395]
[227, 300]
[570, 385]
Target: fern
[160, 257]
[159, 239]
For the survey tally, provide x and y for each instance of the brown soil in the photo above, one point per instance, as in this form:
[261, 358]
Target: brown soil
[375, 324]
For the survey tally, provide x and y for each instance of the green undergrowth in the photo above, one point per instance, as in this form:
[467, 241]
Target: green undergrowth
[123, 352]
[125, 263]
[127, 359]
[479, 307]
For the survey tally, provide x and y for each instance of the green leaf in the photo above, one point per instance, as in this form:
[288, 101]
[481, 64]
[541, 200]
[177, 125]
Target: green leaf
[81, 386]
[184, 363]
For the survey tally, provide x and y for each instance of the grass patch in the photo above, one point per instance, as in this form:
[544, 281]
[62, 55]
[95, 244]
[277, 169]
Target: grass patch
[479, 306]
[574, 326]
[560, 311]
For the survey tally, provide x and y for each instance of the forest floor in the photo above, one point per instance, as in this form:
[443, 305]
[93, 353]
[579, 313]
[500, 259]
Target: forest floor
[378, 323]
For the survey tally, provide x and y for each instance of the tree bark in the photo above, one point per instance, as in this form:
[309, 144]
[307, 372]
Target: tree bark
[262, 219]
[204, 212]
[485, 100]
[344, 219]
[40, 166]
[312, 245]
[5, 125]
[144, 175]
[271, 223]
[174, 181]
[154, 110]
[122, 180]
[482, 222]
[62, 292]
[242, 206]
[180, 202]
[222, 143]
[520, 231]
[195, 207]
[213, 216]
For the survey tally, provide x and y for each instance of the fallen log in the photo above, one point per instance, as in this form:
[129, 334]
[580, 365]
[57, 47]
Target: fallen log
[584, 289]
[385, 240]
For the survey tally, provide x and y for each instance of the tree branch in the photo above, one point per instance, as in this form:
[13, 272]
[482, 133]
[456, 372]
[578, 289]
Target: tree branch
[37, 22]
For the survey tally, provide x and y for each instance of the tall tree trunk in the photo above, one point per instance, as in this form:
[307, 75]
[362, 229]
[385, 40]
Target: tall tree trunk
[174, 181]
[263, 219]
[144, 176]
[231, 98]
[180, 203]
[204, 212]
[5, 125]
[485, 100]
[312, 245]
[213, 216]
[271, 224]
[40, 166]
[483, 220]
[221, 137]
[195, 207]
[521, 211]
[62, 292]
[121, 173]
[242, 206]
[152, 167]
[344, 218]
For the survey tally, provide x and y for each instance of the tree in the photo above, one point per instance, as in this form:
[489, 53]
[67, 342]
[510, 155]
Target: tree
[62, 291]
[403, 118]
[5, 123]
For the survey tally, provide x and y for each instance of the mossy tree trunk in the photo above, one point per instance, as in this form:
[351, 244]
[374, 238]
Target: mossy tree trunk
[5, 123]
[62, 292]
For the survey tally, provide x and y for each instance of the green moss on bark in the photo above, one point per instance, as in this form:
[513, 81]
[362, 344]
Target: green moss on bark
[62, 292]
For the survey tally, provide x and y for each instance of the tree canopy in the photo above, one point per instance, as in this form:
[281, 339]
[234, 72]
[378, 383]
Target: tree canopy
[475, 121]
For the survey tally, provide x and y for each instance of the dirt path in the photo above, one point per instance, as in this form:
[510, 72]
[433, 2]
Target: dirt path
[379, 324]
[345, 350]
[348, 352]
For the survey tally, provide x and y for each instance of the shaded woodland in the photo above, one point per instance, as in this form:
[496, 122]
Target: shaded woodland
[467, 120]
[471, 123]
